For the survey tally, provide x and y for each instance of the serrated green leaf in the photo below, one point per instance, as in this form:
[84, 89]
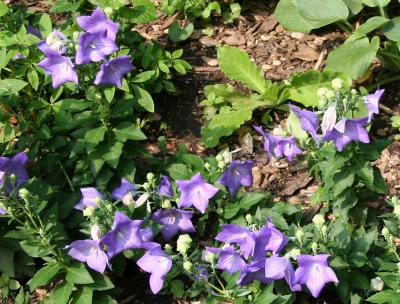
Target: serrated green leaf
[33, 78]
[179, 171]
[143, 11]
[237, 65]
[77, 274]
[111, 151]
[83, 296]
[3, 9]
[385, 296]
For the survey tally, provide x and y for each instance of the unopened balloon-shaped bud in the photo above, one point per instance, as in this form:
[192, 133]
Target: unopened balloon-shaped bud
[183, 243]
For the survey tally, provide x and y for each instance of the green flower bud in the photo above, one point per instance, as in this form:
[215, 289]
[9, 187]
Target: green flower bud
[337, 84]
[208, 256]
[353, 92]
[23, 193]
[221, 164]
[207, 166]
[322, 92]
[324, 230]
[109, 207]
[330, 94]
[146, 186]
[150, 177]
[227, 157]
[89, 211]
[220, 211]
[187, 266]
[300, 235]
[294, 253]
[168, 248]
[183, 243]
[75, 36]
[249, 219]
[377, 284]
[166, 204]
[108, 11]
[219, 158]
[385, 232]
[318, 220]
[314, 246]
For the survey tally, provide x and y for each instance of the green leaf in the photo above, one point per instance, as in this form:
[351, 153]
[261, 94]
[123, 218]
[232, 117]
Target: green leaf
[392, 29]
[143, 11]
[353, 57]
[93, 137]
[84, 295]
[66, 6]
[385, 296]
[7, 261]
[144, 98]
[127, 130]
[179, 171]
[111, 151]
[77, 274]
[178, 34]
[61, 294]
[109, 94]
[45, 26]
[293, 126]
[11, 86]
[243, 69]
[250, 199]
[303, 16]
[44, 276]
[177, 288]
[14, 285]
[211, 7]
[3, 9]
[371, 24]
[304, 86]
[376, 3]
[33, 78]
[101, 282]
[355, 6]
[266, 296]
[343, 180]
[34, 248]
[143, 77]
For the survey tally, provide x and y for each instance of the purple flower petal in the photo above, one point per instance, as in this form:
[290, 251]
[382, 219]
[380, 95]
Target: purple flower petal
[372, 103]
[309, 121]
[59, 67]
[165, 188]
[89, 251]
[277, 240]
[113, 71]
[230, 260]
[90, 197]
[16, 166]
[98, 22]
[254, 271]
[124, 192]
[173, 221]
[277, 268]
[94, 47]
[237, 174]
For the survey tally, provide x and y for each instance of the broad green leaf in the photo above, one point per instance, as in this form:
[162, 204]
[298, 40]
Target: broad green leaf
[34, 248]
[94, 136]
[392, 29]
[45, 26]
[178, 34]
[62, 6]
[304, 87]
[11, 86]
[212, 6]
[143, 77]
[7, 261]
[111, 151]
[101, 282]
[371, 24]
[237, 65]
[61, 294]
[144, 98]
[143, 11]
[354, 6]
[77, 274]
[353, 57]
[179, 171]
[126, 130]
[33, 78]
[344, 179]
[83, 296]
[177, 288]
[250, 199]
[303, 16]
[114, 4]
[3, 9]
[385, 296]
[375, 3]
[44, 276]
[109, 93]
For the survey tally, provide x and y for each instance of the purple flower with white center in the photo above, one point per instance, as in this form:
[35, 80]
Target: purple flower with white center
[277, 240]
[346, 131]
[158, 263]
[229, 259]
[278, 146]
[112, 72]
[372, 103]
[165, 188]
[94, 47]
[98, 22]
[15, 166]
[90, 252]
[173, 221]
[237, 174]
[59, 67]
[314, 272]
[124, 192]
[277, 268]
[55, 41]
[90, 197]
[124, 235]
[309, 121]
[254, 271]
[195, 192]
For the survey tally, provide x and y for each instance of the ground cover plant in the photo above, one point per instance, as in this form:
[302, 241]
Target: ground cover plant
[88, 215]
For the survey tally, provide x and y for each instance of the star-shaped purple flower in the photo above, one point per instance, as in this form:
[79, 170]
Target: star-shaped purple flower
[94, 47]
[124, 235]
[254, 271]
[165, 188]
[173, 221]
[90, 252]
[59, 67]
[98, 22]
[16, 166]
[278, 146]
[90, 197]
[277, 240]
[158, 263]
[195, 192]
[346, 131]
[277, 268]
[314, 272]
[112, 72]
[124, 192]
[237, 174]
[229, 259]
[372, 103]
[309, 121]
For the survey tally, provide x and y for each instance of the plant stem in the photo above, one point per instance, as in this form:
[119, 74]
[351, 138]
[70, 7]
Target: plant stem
[66, 176]
[382, 12]
[386, 81]
[344, 27]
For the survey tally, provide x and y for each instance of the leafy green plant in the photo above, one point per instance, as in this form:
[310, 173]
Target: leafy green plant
[227, 109]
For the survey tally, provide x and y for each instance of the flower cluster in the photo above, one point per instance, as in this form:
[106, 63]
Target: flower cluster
[93, 45]
[255, 254]
[336, 125]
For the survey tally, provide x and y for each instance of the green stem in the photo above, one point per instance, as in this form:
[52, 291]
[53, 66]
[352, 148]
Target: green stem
[383, 82]
[218, 279]
[344, 27]
[67, 177]
[382, 11]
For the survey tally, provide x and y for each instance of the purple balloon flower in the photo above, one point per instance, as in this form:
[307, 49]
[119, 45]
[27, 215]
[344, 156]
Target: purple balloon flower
[112, 72]
[229, 259]
[309, 121]
[90, 197]
[124, 192]
[254, 271]
[90, 252]
[277, 239]
[314, 272]
[165, 188]
[237, 174]
[55, 41]
[16, 166]
[3, 211]
[124, 235]
[173, 221]
[278, 146]
[346, 131]
[277, 268]
[158, 263]
[195, 192]
[372, 103]
[59, 67]
[33, 31]
[98, 22]
[94, 47]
